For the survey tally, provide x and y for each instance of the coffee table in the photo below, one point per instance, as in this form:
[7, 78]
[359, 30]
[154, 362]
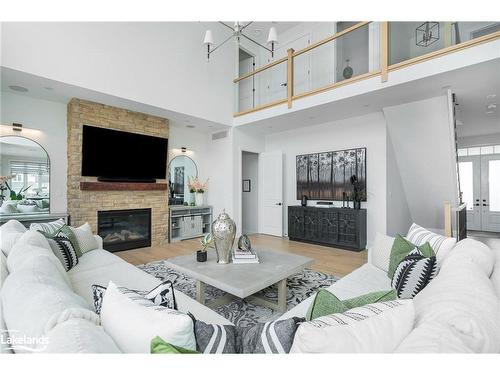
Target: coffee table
[242, 280]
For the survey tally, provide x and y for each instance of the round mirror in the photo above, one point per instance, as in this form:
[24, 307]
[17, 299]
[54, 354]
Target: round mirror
[180, 169]
[24, 177]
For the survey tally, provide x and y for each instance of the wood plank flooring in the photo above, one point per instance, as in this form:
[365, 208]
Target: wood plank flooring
[328, 260]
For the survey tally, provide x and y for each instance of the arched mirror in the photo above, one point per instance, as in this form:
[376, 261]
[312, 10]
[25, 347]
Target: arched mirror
[180, 169]
[24, 177]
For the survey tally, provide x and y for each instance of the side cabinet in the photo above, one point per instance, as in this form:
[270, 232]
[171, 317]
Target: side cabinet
[337, 227]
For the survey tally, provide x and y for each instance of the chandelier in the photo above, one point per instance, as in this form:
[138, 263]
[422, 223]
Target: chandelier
[237, 33]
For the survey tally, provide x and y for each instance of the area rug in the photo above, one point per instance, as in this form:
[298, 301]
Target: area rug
[239, 311]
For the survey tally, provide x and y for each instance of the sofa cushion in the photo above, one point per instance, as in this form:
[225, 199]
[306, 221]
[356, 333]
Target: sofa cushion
[65, 246]
[475, 252]
[10, 233]
[85, 238]
[133, 321]
[375, 328]
[215, 338]
[364, 280]
[495, 275]
[461, 301]
[12, 226]
[32, 238]
[413, 274]
[32, 295]
[440, 244]
[3, 269]
[100, 267]
[380, 252]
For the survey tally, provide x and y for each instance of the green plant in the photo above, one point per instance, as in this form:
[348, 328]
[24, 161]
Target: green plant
[206, 241]
[13, 196]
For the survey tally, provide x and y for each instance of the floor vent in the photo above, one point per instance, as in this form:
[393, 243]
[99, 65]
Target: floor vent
[219, 135]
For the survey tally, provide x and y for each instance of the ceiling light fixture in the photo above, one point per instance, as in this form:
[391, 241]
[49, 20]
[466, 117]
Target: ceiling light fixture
[18, 88]
[237, 33]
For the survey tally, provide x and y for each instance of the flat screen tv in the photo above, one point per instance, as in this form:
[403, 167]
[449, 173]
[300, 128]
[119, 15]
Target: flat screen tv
[121, 156]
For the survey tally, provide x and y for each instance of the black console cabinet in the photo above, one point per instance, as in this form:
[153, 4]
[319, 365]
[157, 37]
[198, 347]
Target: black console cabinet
[337, 227]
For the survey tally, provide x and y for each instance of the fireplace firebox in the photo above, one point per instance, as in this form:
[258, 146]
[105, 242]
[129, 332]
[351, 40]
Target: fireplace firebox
[124, 229]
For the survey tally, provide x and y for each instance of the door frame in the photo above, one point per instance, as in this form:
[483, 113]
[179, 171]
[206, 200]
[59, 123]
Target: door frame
[239, 195]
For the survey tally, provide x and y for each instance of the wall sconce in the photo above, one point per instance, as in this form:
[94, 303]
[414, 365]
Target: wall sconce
[17, 127]
[183, 149]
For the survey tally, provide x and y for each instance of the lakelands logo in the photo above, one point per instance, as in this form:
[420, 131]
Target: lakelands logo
[22, 342]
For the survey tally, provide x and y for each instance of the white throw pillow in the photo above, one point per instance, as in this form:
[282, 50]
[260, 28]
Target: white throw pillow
[133, 321]
[440, 244]
[12, 226]
[50, 227]
[27, 208]
[374, 328]
[32, 238]
[8, 209]
[85, 238]
[380, 253]
[32, 296]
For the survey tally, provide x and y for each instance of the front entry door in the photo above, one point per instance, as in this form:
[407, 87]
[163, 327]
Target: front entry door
[490, 193]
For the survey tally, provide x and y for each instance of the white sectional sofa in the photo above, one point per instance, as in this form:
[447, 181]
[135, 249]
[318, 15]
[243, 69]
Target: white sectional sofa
[32, 276]
[459, 311]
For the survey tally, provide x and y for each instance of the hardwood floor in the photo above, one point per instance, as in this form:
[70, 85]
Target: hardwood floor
[328, 260]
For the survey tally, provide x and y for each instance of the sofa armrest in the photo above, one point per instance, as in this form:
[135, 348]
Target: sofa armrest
[99, 241]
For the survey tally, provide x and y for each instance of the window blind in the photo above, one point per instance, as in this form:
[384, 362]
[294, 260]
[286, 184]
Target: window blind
[28, 167]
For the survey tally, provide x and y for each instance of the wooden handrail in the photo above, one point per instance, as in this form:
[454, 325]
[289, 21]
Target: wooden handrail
[261, 69]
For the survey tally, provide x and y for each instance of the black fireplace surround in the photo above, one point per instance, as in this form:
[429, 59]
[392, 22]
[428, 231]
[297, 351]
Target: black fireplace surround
[124, 229]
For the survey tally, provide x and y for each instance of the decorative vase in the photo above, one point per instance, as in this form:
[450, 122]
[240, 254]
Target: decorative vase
[223, 232]
[199, 199]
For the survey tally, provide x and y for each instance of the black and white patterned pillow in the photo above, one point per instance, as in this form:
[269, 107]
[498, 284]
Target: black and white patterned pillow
[64, 246]
[413, 273]
[161, 295]
[215, 338]
[271, 338]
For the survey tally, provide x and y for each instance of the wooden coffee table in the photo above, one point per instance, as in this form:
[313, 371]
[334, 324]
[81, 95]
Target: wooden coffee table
[242, 280]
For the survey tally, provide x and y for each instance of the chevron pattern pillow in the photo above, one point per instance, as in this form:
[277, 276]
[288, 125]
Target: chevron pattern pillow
[50, 227]
[65, 246]
[413, 273]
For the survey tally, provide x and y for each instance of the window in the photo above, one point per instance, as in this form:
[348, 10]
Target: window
[31, 175]
[484, 150]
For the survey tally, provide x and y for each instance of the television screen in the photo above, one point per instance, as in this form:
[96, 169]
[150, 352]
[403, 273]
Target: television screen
[117, 155]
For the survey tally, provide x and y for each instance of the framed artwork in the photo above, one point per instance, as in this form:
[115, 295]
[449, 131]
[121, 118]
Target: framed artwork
[247, 186]
[326, 175]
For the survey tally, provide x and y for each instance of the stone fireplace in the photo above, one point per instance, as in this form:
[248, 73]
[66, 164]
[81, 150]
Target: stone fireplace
[84, 204]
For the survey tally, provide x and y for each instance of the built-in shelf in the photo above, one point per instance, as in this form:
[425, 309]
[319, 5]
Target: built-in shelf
[189, 222]
[104, 186]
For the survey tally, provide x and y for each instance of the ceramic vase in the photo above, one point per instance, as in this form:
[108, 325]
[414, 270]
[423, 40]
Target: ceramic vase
[199, 199]
[223, 232]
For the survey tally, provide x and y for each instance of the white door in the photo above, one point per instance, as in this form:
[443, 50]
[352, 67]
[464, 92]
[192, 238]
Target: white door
[470, 185]
[271, 181]
[490, 193]
[277, 75]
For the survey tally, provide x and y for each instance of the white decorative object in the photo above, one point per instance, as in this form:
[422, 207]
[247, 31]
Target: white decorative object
[199, 199]
[133, 324]
[375, 328]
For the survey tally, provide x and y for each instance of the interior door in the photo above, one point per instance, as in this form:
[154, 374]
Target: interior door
[490, 193]
[470, 184]
[271, 177]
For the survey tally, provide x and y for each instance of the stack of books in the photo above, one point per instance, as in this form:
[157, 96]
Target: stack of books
[243, 256]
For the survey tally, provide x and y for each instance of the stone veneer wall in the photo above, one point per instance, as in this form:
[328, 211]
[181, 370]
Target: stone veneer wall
[83, 205]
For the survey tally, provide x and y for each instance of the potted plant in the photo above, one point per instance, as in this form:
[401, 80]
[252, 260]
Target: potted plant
[13, 196]
[358, 192]
[201, 255]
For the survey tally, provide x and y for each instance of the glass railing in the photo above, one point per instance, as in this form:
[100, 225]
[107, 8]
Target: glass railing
[359, 50]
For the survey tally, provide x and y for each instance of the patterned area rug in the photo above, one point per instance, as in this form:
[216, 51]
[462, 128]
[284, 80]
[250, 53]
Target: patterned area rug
[239, 311]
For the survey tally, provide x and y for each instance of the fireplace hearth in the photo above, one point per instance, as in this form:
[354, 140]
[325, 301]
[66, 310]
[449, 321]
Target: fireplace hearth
[124, 229]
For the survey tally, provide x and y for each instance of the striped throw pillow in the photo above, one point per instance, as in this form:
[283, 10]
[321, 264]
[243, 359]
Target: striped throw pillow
[413, 274]
[215, 338]
[64, 246]
[440, 244]
[49, 228]
[85, 238]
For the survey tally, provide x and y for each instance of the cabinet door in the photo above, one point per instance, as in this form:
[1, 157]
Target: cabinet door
[311, 225]
[348, 229]
[328, 226]
[295, 222]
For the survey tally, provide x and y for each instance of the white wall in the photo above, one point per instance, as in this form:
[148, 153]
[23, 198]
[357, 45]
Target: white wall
[366, 131]
[162, 64]
[423, 142]
[250, 200]
[49, 120]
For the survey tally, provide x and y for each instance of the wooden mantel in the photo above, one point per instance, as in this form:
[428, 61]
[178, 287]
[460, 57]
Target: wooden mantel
[107, 186]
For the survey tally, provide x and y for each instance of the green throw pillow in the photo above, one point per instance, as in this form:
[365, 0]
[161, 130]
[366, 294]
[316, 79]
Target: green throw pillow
[401, 248]
[326, 303]
[65, 232]
[159, 346]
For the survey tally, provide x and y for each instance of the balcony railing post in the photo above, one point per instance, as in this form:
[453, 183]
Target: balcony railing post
[289, 82]
[384, 50]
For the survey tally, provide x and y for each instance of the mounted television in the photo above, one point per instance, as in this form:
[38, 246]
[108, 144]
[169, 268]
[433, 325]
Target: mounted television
[112, 155]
